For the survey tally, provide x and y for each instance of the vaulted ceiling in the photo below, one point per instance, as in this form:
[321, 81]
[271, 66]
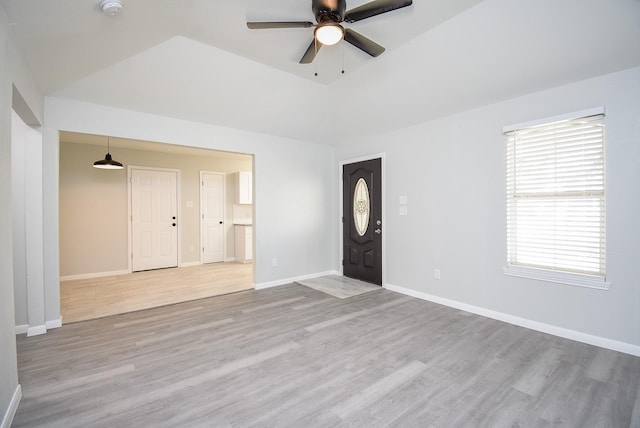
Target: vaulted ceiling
[197, 60]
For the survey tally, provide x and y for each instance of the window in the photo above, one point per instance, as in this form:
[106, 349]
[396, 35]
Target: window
[556, 200]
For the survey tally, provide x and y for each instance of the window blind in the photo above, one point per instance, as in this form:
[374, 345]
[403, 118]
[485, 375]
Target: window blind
[556, 196]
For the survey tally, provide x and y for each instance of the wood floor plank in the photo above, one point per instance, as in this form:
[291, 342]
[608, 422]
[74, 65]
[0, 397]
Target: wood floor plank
[85, 299]
[375, 392]
[380, 359]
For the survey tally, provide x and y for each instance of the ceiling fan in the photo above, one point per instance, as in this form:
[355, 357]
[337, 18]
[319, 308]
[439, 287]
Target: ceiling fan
[329, 14]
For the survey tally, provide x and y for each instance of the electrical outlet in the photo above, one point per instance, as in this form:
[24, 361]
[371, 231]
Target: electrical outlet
[436, 274]
[274, 262]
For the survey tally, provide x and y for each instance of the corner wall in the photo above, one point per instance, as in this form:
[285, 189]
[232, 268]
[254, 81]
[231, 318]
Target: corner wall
[8, 362]
[12, 72]
[452, 171]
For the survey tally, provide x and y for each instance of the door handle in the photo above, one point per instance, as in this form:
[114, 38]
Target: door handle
[378, 231]
[173, 224]
[220, 222]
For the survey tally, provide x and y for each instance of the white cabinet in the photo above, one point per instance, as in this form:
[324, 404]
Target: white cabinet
[244, 243]
[244, 184]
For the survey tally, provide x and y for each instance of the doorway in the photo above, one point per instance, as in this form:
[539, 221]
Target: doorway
[212, 197]
[362, 227]
[154, 218]
[95, 227]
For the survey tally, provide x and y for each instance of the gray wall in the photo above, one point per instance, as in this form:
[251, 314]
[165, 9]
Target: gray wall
[8, 364]
[453, 172]
[13, 74]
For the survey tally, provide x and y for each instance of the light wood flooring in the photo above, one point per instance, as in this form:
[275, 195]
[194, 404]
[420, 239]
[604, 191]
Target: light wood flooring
[86, 299]
[291, 356]
[339, 286]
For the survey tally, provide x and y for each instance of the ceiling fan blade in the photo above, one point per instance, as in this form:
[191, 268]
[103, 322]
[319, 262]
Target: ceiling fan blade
[374, 8]
[282, 24]
[361, 42]
[311, 52]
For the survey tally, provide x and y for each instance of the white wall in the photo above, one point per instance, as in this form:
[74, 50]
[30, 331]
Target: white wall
[452, 171]
[28, 263]
[295, 186]
[18, 154]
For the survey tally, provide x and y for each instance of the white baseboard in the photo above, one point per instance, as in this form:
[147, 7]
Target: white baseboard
[36, 330]
[7, 420]
[230, 259]
[189, 264]
[54, 323]
[285, 281]
[589, 339]
[39, 329]
[93, 275]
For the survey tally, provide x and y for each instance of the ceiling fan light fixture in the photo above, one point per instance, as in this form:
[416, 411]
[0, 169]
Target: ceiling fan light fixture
[329, 34]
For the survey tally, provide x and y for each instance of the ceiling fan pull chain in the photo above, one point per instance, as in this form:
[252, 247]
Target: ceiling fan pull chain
[315, 63]
[342, 45]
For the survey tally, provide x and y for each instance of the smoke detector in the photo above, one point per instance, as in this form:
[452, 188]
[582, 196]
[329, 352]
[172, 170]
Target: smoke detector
[111, 7]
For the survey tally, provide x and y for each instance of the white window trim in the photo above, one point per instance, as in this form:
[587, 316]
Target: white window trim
[547, 275]
[558, 118]
[557, 277]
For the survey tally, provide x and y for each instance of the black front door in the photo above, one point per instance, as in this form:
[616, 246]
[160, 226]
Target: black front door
[362, 221]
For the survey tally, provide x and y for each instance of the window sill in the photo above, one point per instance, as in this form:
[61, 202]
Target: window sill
[557, 277]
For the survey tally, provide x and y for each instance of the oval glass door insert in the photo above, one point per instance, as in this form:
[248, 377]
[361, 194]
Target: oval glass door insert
[361, 210]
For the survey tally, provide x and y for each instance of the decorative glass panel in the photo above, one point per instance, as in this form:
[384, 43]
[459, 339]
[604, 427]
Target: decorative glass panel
[361, 207]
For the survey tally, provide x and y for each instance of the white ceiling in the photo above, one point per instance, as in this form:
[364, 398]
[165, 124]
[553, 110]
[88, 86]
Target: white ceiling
[196, 59]
[64, 40]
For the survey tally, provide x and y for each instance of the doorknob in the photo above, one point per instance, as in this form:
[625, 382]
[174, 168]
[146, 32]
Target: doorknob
[220, 221]
[173, 224]
[378, 231]
[173, 218]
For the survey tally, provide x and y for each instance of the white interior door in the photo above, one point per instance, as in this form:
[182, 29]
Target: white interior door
[212, 207]
[154, 222]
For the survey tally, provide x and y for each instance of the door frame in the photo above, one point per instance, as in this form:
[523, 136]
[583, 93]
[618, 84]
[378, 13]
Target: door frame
[341, 164]
[224, 213]
[129, 213]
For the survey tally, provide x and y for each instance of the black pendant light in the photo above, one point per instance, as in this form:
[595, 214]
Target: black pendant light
[107, 162]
